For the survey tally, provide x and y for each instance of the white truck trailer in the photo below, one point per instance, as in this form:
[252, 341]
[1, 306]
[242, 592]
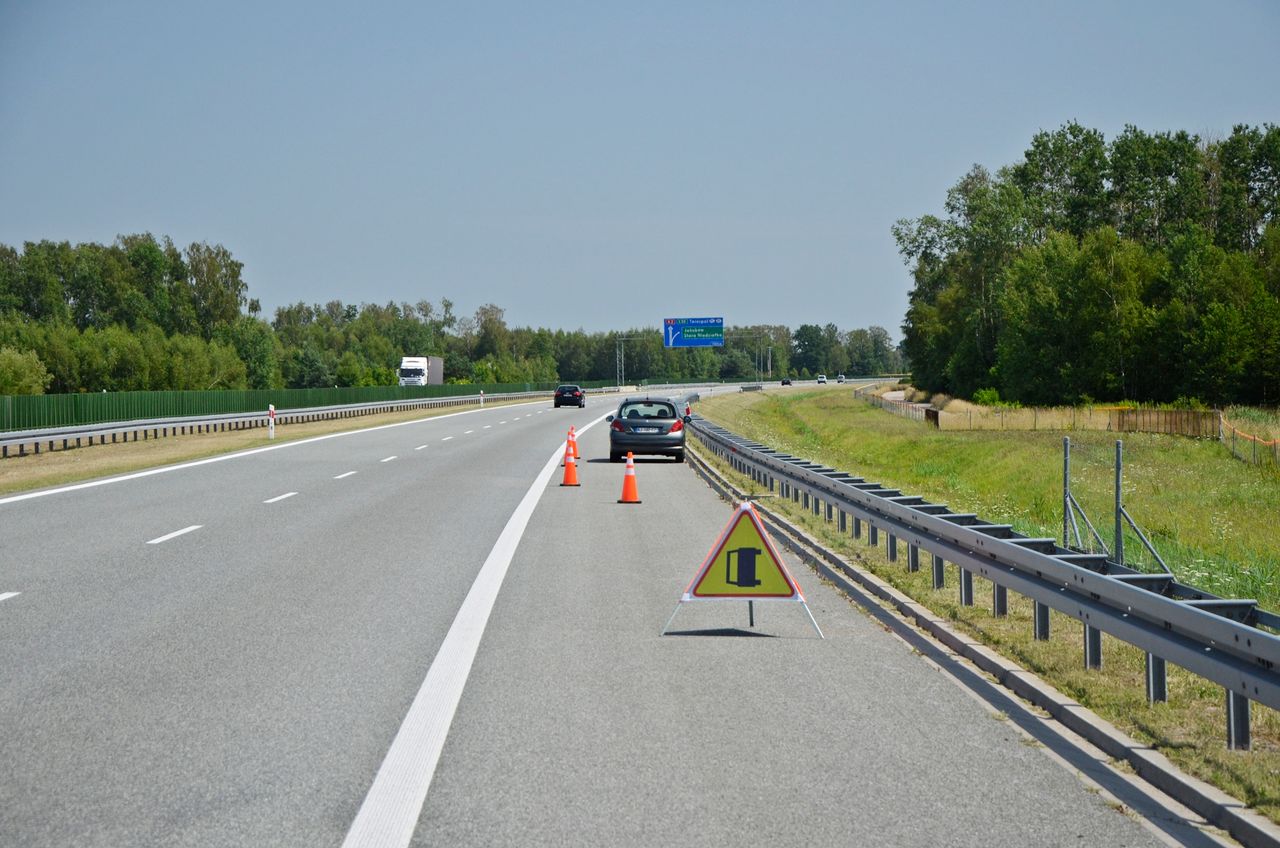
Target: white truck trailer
[421, 371]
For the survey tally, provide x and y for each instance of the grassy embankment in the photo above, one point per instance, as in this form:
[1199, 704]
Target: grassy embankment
[1211, 517]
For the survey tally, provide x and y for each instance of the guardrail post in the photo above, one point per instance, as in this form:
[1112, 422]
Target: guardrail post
[1237, 721]
[1041, 627]
[844, 521]
[893, 548]
[857, 527]
[913, 557]
[830, 511]
[1092, 647]
[966, 588]
[1157, 680]
[873, 534]
[939, 572]
[999, 600]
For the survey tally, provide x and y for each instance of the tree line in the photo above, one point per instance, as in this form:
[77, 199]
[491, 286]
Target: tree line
[142, 314]
[1145, 268]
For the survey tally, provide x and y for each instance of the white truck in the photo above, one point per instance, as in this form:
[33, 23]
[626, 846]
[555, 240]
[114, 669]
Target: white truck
[421, 371]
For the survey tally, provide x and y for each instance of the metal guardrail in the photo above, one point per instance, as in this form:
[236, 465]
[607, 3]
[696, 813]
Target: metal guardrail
[1219, 639]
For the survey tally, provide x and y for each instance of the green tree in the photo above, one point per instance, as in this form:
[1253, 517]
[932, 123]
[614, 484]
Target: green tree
[22, 373]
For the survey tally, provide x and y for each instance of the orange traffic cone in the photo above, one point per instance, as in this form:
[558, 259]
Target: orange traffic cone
[573, 440]
[629, 493]
[568, 452]
[570, 470]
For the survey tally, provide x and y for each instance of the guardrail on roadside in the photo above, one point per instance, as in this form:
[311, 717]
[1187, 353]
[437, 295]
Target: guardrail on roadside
[1232, 642]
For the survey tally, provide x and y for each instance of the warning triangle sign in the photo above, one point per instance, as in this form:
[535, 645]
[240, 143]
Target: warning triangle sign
[743, 563]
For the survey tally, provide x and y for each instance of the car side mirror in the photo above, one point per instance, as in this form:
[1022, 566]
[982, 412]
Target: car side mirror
[608, 418]
[688, 419]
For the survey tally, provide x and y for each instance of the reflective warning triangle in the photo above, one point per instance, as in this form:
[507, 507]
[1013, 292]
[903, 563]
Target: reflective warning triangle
[743, 563]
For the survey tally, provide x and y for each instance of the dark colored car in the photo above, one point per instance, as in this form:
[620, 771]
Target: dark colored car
[649, 426]
[568, 395]
[786, 381]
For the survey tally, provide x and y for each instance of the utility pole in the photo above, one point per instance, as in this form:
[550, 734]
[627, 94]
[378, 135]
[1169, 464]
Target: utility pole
[620, 358]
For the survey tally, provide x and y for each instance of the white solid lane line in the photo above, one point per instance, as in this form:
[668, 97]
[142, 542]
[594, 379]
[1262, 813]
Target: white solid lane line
[278, 498]
[175, 534]
[390, 811]
[347, 474]
[388, 459]
[4, 596]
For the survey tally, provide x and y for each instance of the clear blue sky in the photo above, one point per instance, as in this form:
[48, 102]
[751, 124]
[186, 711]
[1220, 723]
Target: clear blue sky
[585, 164]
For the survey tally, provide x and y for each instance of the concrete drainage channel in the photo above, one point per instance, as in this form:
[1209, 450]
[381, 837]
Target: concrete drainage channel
[1080, 739]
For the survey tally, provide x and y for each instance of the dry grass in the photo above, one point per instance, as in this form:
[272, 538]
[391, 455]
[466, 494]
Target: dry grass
[57, 468]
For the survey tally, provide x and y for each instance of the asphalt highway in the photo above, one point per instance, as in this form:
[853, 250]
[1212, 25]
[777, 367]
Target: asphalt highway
[262, 650]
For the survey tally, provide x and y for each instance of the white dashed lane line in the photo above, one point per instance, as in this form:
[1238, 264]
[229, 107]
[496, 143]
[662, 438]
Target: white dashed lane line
[446, 438]
[388, 459]
[175, 534]
[279, 498]
[347, 474]
[468, 433]
[419, 447]
[488, 426]
[4, 596]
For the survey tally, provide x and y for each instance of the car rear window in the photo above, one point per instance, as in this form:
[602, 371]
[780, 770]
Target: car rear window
[647, 409]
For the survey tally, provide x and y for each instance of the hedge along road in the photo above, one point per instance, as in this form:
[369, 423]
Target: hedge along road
[225, 654]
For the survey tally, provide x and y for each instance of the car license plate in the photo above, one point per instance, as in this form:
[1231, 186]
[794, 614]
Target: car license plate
[647, 429]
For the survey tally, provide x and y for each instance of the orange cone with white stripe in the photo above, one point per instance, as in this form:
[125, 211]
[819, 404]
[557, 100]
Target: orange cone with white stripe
[573, 440]
[629, 493]
[570, 470]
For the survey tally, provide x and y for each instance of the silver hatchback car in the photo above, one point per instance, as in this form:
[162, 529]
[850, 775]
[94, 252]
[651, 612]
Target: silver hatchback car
[647, 425]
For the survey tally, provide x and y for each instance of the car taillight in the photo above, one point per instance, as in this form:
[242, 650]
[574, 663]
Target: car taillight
[577, 394]
[616, 425]
[677, 427]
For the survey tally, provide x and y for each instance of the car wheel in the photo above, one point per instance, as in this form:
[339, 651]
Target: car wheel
[614, 456]
[679, 456]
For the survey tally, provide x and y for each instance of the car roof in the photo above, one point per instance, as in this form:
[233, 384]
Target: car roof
[647, 399]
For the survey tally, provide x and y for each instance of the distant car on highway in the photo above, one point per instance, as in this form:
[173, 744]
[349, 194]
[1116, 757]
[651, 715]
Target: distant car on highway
[839, 378]
[570, 395]
[647, 425]
[786, 381]
[822, 379]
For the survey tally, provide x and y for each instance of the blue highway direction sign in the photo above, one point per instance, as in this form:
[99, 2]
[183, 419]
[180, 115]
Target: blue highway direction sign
[693, 332]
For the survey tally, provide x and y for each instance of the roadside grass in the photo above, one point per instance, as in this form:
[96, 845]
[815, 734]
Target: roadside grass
[1212, 517]
[60, 468]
